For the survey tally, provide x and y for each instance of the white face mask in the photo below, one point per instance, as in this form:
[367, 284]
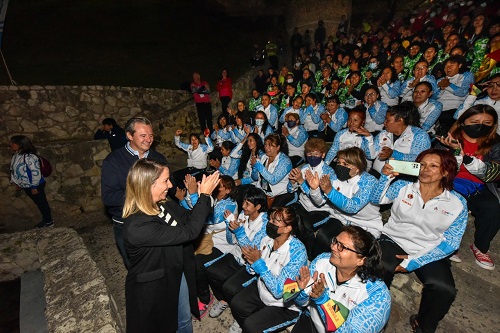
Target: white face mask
[483, 4]
[259, 122]
[289, 80]
[412, 20]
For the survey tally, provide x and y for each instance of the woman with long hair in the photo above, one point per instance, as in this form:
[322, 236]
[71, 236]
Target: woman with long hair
[26, 174]
[426, 226]
[350, 276]
[474, 141]
[160, 288]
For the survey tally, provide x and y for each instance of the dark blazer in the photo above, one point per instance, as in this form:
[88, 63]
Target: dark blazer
[160, 250]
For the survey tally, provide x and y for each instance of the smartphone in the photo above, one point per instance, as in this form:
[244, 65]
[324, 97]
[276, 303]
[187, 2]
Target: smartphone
[407, 168]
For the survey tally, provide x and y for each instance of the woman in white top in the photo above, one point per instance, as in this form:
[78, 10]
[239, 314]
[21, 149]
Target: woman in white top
[375, 110]
[389, 86]
[296, 137]
[197, 157]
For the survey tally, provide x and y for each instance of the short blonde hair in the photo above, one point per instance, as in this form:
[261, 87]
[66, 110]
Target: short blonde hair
[141, 177]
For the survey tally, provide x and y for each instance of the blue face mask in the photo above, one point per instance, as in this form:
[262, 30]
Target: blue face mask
[372, 65]
[291, 123]
[259, 122]
[314, 161]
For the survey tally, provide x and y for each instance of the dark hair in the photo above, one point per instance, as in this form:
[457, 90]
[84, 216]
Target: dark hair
[266, 121]
[278, 140]
[335, 98]
[406, 111]
[227, 73]
[460, 60]
[130, 125]
[359, 109]
[366, 88]
[219, 119]
[24, 143]
[257, 197]
[194, 135]
[459, 47]
[288, 215]
[394, 75]
[312, 96]
[365, 243]
[448, 165]
[484, 143]
[425, 83]
[109, 121]
[246, 152]
[228, 183]
[229, 145]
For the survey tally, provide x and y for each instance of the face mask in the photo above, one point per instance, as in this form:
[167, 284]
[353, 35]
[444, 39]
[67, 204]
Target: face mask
[477, 130]
[289, 80]
[272, 230]
[342, 172]
[372, 65]
[291, 123]
[483, 4]
[359, 44]
[314, 161]
[432, 14]
[259, 122]
[412, 20]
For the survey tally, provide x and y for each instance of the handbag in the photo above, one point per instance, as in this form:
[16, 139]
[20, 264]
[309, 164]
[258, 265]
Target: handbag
[45, 167]
[205, 243]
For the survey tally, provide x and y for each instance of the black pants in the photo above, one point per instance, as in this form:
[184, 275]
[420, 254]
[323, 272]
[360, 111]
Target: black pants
[305, 231]
[227, 278]
[485, 208]
[304, 324]
[202, 288]
[40, 201]
[283, 200]
[445, 122]
[205, 116]
[224, 102]
[327, 134]
[120, 243]
[256, 317]
[439, 287]
[324, 236]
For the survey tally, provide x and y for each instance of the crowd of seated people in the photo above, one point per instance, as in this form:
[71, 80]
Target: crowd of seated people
[310, 227]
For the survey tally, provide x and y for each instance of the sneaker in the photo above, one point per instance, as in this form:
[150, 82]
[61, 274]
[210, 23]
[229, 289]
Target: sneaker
[218, 308]
[235, 328]
[203, 308]
[44, 224]
[483, 260]
[455, 258]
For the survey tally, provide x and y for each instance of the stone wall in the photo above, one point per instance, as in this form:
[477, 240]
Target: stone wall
[61, 121]
[75, 291]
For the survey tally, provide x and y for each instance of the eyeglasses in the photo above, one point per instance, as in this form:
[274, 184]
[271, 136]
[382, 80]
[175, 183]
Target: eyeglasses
[420, 68]
[492, 84]
[370, 94]
[341, 247]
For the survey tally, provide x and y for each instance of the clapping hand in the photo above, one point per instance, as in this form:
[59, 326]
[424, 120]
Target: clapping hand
[319, 286]
[295, 176]
[325, 184]
[251, 254]
[208, 184]
[191, 184]
[312, 179]
[180, 193]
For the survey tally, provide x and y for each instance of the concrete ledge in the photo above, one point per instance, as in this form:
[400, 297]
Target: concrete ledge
[75, 291]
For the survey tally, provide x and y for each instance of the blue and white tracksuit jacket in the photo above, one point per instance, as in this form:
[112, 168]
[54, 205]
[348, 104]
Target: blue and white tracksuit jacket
[375, 116]
[407, 93]
[412, 142]
[273, 180]
[428, 231]
[310, 117]
[369, 302]
[346, 139]
[337, 121]
[430, 110]
[197, 158]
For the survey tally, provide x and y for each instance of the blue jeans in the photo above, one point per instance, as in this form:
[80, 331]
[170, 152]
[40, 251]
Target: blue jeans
[185, 323]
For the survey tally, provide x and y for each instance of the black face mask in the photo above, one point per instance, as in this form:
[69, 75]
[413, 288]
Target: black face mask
[342, 172]
[314, 161]
[272, 230]
[477, 130]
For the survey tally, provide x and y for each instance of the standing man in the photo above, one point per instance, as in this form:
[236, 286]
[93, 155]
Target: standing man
[201, 93]
[112, 132]
[115, 168]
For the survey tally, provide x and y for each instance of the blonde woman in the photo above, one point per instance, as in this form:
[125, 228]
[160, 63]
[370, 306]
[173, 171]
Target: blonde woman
[157, 236]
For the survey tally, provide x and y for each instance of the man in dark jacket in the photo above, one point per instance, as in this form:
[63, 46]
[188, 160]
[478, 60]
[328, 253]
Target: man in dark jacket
[112, 132]
[115, 168]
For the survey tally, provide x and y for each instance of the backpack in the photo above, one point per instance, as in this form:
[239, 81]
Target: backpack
[45, 167]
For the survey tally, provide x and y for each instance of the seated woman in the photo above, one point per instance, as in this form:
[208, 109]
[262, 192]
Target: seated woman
[228, 165]
[271, 171]
[375, 110]
[389, 86]
[262, 126]
[402, 138]
[279, 256]
[349, 276]
[420, 74]
[478, 154]
[240, 129]
[158, 236]
[197, 157]
[215, 228]
[296, 137]
[429, 109]
[295, 108]
[227, 274]
[348, 195]
[333, 120]
[426, 225]
[350, 92]
[310, 214]
[222, 131]
[310, 116]
[355, 135]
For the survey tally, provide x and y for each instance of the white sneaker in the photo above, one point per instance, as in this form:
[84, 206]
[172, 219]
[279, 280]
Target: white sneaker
[217, 308]
[235, 328]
